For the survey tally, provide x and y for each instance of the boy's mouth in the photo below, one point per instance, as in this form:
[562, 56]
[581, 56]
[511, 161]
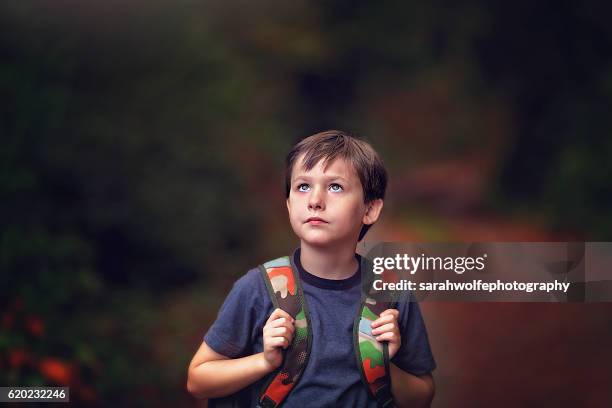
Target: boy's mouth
[315, 221]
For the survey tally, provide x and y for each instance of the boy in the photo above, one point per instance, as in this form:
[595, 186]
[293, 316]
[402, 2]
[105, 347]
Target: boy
[335, 186]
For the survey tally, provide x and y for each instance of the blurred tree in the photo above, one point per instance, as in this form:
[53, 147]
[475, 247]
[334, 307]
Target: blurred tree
[554, 63]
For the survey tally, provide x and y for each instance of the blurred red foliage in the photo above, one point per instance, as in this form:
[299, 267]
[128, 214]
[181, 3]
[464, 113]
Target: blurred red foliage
[18, 358]
[35, 325]
[56, 370]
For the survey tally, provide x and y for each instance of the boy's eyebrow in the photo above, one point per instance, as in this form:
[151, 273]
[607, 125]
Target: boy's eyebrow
[328, 178]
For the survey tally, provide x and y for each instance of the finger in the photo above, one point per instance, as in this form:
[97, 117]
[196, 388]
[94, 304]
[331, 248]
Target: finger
[389, 327]
[289, 326]
[277, 313]
[394, 312]
[383, 320]
[276, 337]
[285, 315]
[388, 336]
[286, 330]
[281, 332]
[281, 322]
[279, 342]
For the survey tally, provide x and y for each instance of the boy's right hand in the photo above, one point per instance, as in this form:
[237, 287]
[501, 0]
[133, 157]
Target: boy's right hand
[277, 334]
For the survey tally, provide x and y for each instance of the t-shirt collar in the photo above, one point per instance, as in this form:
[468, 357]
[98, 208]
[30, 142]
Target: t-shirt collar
[322, 283]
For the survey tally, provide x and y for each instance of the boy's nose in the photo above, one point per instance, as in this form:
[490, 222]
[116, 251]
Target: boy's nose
[315, 201]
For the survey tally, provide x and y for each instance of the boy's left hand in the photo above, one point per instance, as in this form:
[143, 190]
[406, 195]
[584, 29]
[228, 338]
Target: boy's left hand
[385, 328]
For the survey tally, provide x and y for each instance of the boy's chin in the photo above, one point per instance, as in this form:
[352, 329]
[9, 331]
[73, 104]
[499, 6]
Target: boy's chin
[316, 243]
[322, 241]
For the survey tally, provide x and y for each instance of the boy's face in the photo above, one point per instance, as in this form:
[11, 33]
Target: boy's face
[326, 207]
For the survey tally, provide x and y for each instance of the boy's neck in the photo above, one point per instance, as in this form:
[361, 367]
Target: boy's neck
[329, 263]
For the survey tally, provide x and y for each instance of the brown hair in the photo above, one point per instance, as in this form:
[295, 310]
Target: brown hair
[333, 144]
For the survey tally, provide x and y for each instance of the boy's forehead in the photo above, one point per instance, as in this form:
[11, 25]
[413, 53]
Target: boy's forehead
[339, 166]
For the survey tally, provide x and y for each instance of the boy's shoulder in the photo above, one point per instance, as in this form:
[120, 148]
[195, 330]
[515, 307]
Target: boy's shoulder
[249, 284]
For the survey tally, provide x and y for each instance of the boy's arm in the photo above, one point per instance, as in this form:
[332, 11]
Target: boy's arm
[411, 390]
[213, 375]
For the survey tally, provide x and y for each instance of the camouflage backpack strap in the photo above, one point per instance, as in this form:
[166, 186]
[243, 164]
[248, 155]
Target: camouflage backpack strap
[372, 356]
[282, 282]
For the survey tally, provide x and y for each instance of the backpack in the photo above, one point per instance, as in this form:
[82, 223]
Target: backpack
[282, 282]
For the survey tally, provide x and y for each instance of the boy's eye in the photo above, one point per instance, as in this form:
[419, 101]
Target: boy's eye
[335, 187]
[303, 187]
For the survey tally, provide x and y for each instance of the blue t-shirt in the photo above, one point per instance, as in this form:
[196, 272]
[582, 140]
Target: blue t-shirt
[331, 377]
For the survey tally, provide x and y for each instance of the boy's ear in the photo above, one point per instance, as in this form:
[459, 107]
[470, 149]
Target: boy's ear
[373, 209]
